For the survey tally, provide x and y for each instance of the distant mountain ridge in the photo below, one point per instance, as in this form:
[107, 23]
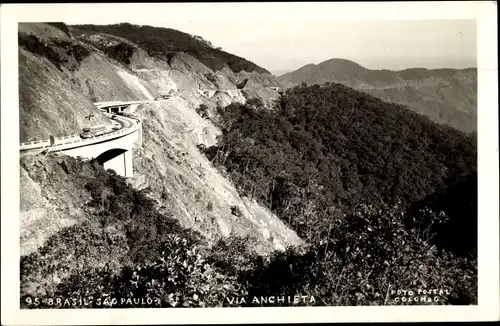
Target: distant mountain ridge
[444, 95]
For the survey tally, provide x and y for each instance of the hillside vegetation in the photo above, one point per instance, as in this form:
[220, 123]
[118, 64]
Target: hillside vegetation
[447, 96]
[123, 247]
[348, 171]
[162, 41]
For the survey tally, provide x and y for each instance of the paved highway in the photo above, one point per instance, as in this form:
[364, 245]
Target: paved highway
[128, 125]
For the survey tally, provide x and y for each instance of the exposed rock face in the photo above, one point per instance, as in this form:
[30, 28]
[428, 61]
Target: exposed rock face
[54, 84]
[253, 89]
[52, 197]
[49, 103]
[446, 96]
[168, 165]
[104, 81]
[183, 180]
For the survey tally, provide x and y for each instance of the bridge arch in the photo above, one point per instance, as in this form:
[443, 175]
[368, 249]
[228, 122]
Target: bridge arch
[117, 159]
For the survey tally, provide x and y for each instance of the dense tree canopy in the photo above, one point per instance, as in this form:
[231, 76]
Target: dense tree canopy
[385, 197]
[328, 149]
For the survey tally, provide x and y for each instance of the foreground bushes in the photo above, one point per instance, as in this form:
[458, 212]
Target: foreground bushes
[179, 277]
[368, 255]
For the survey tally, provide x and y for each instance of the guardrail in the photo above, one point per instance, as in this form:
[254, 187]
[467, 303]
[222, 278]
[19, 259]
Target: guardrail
[85, 140]
[77, 139]
[117, 103]
[36, 142]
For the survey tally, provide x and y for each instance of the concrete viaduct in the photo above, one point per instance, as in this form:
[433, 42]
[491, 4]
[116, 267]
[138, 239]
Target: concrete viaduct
[208, 93]
[113, 150]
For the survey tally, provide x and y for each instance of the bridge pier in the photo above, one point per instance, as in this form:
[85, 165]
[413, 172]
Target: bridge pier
[139, 137]
[115, 109]
[121, 164]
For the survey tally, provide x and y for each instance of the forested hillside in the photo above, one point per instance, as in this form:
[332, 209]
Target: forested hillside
[348, 145]
[447, 96]
[349, 171]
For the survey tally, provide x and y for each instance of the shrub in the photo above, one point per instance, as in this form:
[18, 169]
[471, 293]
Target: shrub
[202, 110]
[212, 78]
[233, 254]
[121, 52]
[59, 52]
[370, 253]
[235, 210]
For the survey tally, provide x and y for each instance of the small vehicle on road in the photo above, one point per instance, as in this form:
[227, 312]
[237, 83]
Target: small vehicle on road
[94, 131]
[116, 126]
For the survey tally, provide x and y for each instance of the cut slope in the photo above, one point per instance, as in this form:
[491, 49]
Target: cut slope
[253, 90]
[49, 104]
[103, 80]
[186, 182]
[187, 68]
[160, 41]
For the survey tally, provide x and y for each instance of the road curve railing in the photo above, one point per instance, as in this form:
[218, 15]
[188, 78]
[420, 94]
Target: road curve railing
[61, 143]
[101, 105]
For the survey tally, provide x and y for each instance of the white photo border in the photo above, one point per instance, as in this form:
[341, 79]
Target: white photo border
[488, 248]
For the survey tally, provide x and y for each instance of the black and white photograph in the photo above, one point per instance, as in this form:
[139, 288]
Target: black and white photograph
[285, 157]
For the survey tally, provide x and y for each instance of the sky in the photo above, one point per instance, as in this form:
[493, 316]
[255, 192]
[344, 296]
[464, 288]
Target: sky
[391, 45]
[286, 36]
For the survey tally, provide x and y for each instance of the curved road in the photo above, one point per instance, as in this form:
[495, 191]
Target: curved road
[128, 124]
